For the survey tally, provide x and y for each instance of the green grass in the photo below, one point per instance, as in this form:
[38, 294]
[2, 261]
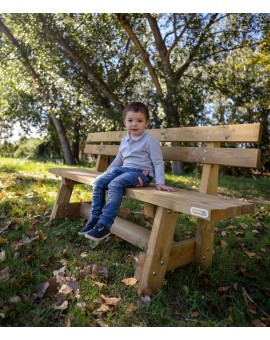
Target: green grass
[235, 291]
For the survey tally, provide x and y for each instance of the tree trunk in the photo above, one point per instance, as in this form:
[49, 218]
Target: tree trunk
[40, 87]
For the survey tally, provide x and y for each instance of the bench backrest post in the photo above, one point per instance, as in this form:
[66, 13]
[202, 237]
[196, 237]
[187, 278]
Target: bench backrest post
[102, 161]
[209, 178]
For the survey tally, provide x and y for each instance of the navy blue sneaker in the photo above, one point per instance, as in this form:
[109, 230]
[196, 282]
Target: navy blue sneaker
[98, 233]
[89, 225]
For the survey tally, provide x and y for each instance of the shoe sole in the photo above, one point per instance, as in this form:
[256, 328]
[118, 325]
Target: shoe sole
[96, 239]
[83, 232]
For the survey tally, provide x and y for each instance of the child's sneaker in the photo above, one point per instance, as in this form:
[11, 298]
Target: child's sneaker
[98, 233]
[89, 225]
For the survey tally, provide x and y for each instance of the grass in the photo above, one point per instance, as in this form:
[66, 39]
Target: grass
[50, 277]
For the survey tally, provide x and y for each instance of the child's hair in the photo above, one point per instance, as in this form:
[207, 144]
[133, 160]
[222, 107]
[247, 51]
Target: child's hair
[136, 107]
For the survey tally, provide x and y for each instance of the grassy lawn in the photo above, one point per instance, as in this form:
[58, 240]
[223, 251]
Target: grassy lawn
[49, 276]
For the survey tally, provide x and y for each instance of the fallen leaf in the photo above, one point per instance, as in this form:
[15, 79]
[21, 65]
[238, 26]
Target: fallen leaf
[113, 301]
[63, 306]
[223, 289]
[2, 256]
[5, 274]
[42, 289]
[230, 314]
[15, 299]
[99, 284]
[41, 235]
[101, 322]
[94, 271]
[258, 323]
[223, 233]
[195, 314]
[249, 254]
[104, 272]
[255, 231]
[130, 307]
[104, 308]
[185, 289]
[251, 308]
[237, 233]
[243, 225]
[223, 244]
[266, 321]
[3, 240]
[130, 281]
[84, 254]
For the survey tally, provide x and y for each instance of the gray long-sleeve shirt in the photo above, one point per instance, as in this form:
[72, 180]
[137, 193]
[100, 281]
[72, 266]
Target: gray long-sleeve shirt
[142, 152]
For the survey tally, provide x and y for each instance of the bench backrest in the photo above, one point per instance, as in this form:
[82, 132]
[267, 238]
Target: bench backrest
[207, 145]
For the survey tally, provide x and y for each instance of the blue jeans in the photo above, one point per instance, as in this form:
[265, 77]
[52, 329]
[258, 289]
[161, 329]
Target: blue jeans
[115, 181]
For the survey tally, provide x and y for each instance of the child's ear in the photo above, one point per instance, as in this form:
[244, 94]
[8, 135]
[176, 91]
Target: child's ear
[147, 123]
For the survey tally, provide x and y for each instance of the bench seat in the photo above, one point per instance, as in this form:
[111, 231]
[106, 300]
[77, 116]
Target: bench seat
[208, 207]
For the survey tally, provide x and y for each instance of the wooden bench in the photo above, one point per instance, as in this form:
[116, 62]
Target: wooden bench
[160, 252]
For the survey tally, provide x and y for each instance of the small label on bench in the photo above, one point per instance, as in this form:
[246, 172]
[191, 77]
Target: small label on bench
[199, 212]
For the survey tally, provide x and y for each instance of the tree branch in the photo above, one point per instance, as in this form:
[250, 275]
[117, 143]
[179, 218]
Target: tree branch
[126, 25]
[56, 36]
[161, 47]
[182, 69]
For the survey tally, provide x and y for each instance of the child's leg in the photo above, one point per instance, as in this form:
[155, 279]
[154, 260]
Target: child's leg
[100, 186]
[129, 178]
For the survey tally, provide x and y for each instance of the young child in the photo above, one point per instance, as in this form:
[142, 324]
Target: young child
[139, 159]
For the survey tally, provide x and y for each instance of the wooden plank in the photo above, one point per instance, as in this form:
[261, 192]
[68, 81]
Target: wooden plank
[240, 157]
[85, 208]
[222, 133]
[182, 253]
[78, 175]
[96, 149]
[218, 207]
[157, 254]
[67, 210]
[131, 232]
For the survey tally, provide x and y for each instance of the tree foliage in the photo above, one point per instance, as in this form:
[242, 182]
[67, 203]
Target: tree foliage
[75, 72]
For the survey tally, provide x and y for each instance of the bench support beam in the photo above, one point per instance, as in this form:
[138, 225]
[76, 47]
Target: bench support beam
[62, 198]
[157, 254]
[204, 243]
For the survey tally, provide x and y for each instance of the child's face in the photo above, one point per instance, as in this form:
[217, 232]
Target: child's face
[135, 123]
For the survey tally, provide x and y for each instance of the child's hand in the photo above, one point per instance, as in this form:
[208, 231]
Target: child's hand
[164, 187]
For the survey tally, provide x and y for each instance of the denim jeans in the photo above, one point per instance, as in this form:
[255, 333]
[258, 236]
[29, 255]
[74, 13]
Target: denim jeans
[115, 181]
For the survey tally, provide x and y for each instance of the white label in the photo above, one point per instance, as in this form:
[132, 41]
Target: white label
[199, 212]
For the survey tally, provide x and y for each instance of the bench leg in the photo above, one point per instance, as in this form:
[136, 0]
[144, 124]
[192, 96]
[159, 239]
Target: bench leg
[204, 244]
[63, 197]
[158, 250]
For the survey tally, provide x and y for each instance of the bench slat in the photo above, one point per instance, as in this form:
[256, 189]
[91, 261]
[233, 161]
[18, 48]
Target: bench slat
[181, 201]
[222, 133]
[241, 157]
